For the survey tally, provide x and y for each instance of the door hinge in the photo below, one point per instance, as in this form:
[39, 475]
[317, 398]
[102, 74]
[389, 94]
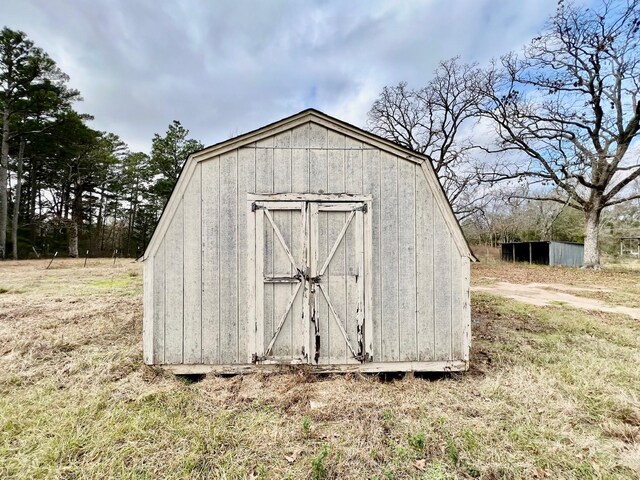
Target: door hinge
[255, 358]
[362, 208]
[255, 206]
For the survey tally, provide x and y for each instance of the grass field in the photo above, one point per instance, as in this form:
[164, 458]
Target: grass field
[553, 392]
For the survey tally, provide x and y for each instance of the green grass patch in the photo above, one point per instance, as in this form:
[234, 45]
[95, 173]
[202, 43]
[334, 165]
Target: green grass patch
[552, 393]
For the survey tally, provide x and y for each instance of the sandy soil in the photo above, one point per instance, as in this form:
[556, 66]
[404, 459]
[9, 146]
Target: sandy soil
[543, 294]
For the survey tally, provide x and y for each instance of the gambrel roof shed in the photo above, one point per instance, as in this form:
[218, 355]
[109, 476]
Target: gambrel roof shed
[308, 241]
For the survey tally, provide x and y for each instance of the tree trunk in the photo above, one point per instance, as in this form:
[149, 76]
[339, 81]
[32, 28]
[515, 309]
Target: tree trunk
[591, 239]
[4, 164]
[73, 239]
[16, 204]
[76, 218]
[32, 203]
[100, 221]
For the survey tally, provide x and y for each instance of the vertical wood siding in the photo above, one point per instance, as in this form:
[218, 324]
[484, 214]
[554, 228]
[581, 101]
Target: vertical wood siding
[282, 266]
[192, 345]
[174, 288]
[197, 296]
[229, 251]
[336, 281]
[210, 207]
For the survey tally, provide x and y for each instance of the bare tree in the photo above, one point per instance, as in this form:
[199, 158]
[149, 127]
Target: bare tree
[436, 121]
[567, 111]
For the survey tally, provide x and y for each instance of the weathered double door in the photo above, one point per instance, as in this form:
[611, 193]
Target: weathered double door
[310, 280]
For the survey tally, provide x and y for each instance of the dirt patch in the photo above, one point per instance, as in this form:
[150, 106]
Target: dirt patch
[613, 277]
[541, 294]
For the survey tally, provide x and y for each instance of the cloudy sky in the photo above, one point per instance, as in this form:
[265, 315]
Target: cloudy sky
[225, 67]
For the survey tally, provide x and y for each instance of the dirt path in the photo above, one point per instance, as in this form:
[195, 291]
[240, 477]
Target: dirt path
[542, 294]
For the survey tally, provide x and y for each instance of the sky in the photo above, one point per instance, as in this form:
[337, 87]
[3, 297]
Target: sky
[223, 68]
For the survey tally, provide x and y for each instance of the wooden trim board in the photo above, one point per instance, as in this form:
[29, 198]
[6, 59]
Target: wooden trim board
[234, 369]
[307, 197]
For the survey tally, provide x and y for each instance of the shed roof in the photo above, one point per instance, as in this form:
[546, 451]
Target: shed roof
[313, 115]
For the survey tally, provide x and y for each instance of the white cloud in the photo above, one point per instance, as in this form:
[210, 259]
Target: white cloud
[228, 67]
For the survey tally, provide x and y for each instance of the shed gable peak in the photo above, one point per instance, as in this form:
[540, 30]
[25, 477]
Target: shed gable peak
[311, 119]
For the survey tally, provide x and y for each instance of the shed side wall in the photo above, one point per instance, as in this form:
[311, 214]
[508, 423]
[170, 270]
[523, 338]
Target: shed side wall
[419, 308]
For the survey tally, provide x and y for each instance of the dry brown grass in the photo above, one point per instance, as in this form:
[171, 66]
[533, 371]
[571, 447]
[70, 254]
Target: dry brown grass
[553, 393]
[614, 285]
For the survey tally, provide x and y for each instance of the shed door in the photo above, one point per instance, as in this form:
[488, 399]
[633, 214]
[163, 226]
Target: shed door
[281, 251]
[309, 282]
[337, 282]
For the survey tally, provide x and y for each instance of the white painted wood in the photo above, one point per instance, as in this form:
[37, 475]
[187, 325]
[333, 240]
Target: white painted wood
[315, 344]
[369, 323]
[174, 293]
[228, 259]
[305, 312]
[318, 159]
[309, 197]
[353, 166]
[389, 257]
[339, 207]
[403, 275]
[278, 205]
[300, 158]
[210, 206]
[159, 297]
[246, 183]
[147, 321]
[259, 285]
[317, 122]
[281, 321]
[457, 305]
[281, 278]
[174, 203]
[443, 205]
[251, 274]
[300, 243]
[339, 322]
[407, 262]
[279, 236]
[354, 241]
[425, 293]
[453, 366]
[283, 265]
[192, 342]
[371, 185]
[338, 241]
[304, 118]
[283, 258]
[264, 184]
[335, 280]
[442, 289]
[356, 290]
[466, 307]
[323, 316]
[332, 229]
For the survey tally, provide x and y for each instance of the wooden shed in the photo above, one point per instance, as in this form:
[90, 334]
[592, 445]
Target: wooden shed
[307, 241]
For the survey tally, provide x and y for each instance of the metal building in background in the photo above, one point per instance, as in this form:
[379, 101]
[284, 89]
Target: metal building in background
[544, 253]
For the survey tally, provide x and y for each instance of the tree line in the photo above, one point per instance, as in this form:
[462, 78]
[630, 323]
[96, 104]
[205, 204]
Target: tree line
[557, 122]
[65, 186]
[549, 133]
